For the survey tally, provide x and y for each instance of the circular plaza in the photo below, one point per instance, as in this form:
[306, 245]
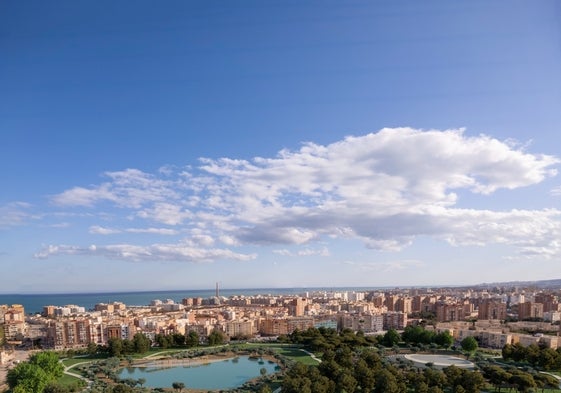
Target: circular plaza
[439, 361]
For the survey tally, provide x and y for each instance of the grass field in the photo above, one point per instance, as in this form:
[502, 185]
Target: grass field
[289, 351]
[69, 380]
[73, 361]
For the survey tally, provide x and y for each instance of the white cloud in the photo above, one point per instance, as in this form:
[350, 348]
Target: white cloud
[128, 188]
[166, 213]
[556, 191]
[60, 225]
[386, 189]
[154, 231]
[14, 214]
[99, 230]
[152, 253]
[306, 252]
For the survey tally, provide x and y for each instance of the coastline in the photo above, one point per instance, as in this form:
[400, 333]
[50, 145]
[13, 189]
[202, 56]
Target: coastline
[34, 303]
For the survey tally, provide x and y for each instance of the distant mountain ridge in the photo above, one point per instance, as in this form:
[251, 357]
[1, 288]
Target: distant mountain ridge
[543, 284]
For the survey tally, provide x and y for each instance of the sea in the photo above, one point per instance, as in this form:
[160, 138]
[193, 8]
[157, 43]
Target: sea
[34, 303]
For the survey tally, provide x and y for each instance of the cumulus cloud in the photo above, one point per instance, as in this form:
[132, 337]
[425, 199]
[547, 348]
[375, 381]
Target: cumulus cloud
[386, 188]
[131, 187]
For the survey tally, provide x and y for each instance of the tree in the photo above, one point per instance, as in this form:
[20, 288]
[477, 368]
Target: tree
[35, 374]
[546, 381]
[453, 375]
[128, 346]
[27, 377]
[141, 343]
[265, 389]
[524, 381]
[56, 388]
[178, 386]
[346, 382]
[497, 376]
[472, 381]
[469, 344]
[122, 388]
[141, 381]
[49, 362]
[391, 338]
[263, 371]
[364, 375]
[296, 384]
[434, 377]
[421, 387]
[115, 346]
[548, 359]
[444, 339]
[216, 337]
[92, 348]
[385, 382]
[192, 339]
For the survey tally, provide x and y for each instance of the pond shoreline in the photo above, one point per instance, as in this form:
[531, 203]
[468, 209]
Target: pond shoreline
[165, 362]
[168, 361]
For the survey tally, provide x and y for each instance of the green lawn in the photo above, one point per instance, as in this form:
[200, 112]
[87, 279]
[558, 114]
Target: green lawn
[295, 354]
[290, 351]
[69, 380]
[73, 361]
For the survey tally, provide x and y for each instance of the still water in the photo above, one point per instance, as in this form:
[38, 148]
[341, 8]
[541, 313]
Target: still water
[223, 374]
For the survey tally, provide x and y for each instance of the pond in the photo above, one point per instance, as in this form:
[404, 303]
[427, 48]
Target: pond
[222, 374]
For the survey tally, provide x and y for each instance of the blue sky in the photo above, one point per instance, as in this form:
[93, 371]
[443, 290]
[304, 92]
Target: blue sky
[278, 144]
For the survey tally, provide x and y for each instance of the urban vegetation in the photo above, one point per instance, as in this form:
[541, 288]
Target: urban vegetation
[39, 374]
[367, 342]
[351, 362]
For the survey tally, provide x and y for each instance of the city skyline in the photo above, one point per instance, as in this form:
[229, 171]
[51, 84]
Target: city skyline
[278, 145]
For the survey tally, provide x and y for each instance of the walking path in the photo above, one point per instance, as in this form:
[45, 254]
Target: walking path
[311, 355]
[68, 372]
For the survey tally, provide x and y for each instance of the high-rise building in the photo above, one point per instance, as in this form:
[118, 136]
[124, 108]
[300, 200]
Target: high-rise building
[297, 307]
[491, 309]
[446, 312]
[530, 310]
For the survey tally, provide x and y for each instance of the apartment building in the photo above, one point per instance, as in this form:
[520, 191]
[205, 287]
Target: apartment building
[446, 312]
[530, 310]
[395, 320]
[278, 326]
[368, 323]
[73, 333]
[15, 326]
[548, 300]
[238, 328]
[491, 309]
